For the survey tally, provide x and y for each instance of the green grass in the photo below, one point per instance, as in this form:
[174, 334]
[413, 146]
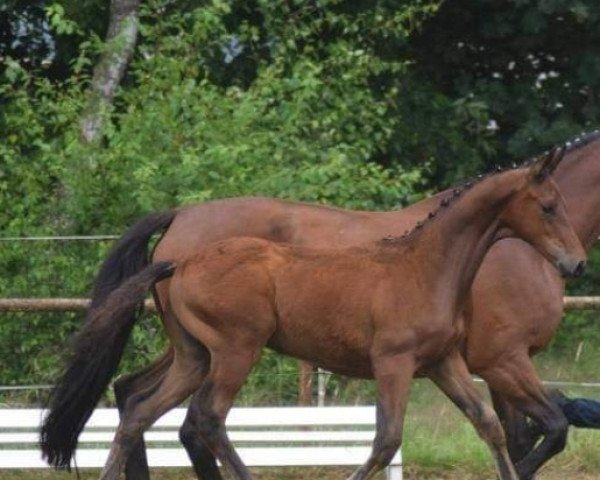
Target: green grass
[439, 439]
[439, 442]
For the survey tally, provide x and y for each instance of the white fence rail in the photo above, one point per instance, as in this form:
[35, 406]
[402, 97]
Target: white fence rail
[266, 437]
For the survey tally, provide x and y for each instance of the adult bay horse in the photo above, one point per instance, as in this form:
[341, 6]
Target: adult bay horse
[514, 311]
[387, 310]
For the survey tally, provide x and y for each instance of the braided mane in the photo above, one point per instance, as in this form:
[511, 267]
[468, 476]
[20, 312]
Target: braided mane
[576, 143]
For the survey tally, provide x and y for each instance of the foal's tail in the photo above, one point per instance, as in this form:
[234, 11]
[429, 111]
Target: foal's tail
[97, 350]
[129, 255]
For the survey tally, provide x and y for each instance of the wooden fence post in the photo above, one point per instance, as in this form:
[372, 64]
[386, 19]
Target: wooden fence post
[305, 383]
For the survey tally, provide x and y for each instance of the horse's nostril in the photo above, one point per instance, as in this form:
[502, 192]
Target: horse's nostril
[579, 269]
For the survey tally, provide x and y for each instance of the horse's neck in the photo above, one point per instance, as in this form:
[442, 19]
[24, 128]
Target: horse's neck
[578, 178]
[459, 237]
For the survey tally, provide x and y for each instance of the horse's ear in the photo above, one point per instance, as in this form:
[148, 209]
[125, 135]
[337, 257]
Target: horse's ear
[545, 165]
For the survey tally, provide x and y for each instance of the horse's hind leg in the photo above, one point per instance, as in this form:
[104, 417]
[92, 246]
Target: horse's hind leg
[393, 374]
[203, 461]
[184, 376]
[453, 378]
[228, 370]
[521, 434]
[126, 387]
[517, 380]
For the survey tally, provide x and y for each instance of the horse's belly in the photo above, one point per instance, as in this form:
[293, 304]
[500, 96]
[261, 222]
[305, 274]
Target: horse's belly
[343, 355]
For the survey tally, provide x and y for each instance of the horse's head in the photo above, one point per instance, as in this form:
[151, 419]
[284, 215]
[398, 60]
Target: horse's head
[538, 215]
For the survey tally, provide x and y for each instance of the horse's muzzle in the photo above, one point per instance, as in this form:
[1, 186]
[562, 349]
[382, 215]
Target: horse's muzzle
[572, 269]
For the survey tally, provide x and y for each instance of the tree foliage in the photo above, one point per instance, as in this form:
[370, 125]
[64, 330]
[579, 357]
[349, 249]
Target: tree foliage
[223, 99]
[531, 67]
[349, 102]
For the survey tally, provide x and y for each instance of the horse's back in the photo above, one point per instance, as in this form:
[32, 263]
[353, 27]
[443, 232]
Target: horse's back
[282, 221]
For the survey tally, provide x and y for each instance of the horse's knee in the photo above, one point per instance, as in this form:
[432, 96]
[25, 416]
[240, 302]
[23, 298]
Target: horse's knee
[490, 427]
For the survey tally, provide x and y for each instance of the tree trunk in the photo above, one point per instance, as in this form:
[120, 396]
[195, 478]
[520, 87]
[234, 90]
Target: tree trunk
[108, 73]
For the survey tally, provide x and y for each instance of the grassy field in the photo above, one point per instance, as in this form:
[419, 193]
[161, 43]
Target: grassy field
[439, 444]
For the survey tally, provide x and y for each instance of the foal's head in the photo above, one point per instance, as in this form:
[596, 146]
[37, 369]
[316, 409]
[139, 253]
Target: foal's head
[537, 213]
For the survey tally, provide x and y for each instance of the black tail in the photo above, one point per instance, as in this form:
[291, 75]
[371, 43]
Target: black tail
[97, 350]
[129, 255]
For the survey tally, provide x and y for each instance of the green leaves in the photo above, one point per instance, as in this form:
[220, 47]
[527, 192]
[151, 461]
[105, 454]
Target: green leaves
[13, 72]
[351, 103]
[532, 64]
[58, 21]
[228, 99]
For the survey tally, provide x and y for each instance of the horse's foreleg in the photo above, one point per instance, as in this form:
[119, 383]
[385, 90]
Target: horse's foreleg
[453, 378]
[126, 387]
[393, 374]
[517, 379]
[184, 376]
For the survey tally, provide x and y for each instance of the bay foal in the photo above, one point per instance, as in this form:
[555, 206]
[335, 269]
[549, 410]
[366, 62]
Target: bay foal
[387, 310]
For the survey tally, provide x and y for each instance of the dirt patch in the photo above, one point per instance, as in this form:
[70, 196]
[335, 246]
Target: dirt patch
[304, 473]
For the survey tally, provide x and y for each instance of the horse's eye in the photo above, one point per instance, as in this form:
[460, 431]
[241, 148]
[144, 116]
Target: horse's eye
[549, 209]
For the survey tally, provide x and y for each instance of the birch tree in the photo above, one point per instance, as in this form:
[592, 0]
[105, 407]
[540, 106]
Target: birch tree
[119, 47]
